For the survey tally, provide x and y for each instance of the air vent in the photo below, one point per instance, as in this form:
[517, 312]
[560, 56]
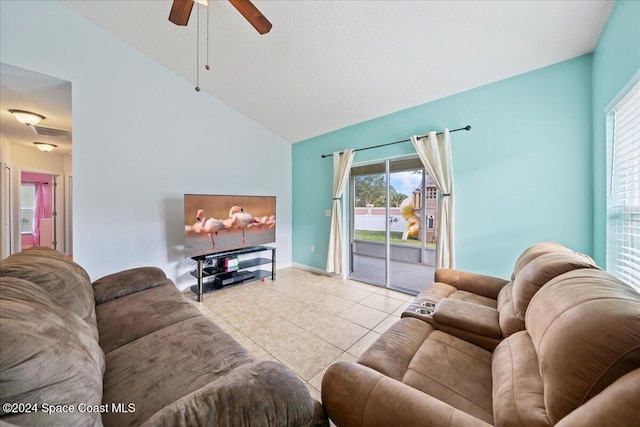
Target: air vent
[55, 133]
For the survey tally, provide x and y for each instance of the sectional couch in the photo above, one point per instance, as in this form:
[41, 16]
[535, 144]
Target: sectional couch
[128, 350]
[566, 353]
[483, 309]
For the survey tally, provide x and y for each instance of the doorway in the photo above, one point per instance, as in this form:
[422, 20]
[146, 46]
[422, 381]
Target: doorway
[38, 210]
[5, 202]
[393, 210]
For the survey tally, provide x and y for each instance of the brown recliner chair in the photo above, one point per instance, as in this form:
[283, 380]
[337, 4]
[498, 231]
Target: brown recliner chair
[577, 363]
[481, 289]
[484, 309]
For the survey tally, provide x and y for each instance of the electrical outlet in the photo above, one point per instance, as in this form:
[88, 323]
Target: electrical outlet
[327, 212]
[313, 248]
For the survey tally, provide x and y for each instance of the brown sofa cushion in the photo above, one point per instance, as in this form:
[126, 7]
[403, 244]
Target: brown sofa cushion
[193, 353]
[255, 394]
[63, 280]
[455, 372]
[48, 355]
[433, 362]
[437, 291]
[123, 320]
[402, 339]
[571, 322]
[355, 395]
[518, 398]
[470, 317]
[534, 252]
[539, 271]
[127, 282]
[46, 252]
[471, 298]
[620, 399]
[473, 283]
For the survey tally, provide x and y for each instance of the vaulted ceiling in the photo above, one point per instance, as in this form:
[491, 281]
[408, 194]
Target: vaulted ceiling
[330, 64]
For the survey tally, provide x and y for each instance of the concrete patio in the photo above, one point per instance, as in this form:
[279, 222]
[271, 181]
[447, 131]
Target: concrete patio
[408, 277]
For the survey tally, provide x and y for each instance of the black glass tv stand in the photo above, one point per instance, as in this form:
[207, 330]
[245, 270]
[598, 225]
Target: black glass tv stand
[214, 271]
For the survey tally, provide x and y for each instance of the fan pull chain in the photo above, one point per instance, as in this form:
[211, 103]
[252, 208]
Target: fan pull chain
[208, 13]
[198, 48]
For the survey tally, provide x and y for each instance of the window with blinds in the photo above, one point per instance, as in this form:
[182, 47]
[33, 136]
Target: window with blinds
[623, 195]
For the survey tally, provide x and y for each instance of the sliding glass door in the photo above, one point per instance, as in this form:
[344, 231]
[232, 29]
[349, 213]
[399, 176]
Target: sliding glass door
[393, 223]
[369, 224]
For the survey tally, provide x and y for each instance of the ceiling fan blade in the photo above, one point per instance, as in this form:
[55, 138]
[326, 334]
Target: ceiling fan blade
[253, 15]
[180, 11]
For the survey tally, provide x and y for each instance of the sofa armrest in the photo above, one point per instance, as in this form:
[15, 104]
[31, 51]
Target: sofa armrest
[127, 282]
[616, 405]
[355, 395]
[257, 394]
[479, 284]
[473, 318]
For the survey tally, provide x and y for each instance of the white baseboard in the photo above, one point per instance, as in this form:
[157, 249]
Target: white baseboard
[283, 265]
[315, 270]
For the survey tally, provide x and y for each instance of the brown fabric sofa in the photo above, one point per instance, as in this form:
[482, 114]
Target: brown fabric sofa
[485, 290]
[483, 309]
[576, 363]
[128, 350]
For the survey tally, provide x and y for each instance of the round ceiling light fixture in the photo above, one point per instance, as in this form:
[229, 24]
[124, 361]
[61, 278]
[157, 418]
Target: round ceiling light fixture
[27, 117]
[44, 146]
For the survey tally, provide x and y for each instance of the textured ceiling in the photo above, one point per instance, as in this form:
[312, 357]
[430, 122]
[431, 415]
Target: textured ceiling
[330, 64]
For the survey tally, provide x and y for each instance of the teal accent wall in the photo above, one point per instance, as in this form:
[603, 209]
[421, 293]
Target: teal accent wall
[523, 174]
[615, 60]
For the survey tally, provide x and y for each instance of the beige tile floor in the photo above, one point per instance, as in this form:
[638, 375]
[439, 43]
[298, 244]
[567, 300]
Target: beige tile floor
[305, 320]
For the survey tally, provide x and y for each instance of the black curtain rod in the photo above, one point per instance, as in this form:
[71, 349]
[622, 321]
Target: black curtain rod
[467, 127]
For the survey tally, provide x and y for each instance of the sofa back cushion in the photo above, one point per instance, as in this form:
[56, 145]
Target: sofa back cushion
[534, 252]
[585, 328]
[64, 280]
[47, 252]
[48, 355]
[128, 282]
[540, 271]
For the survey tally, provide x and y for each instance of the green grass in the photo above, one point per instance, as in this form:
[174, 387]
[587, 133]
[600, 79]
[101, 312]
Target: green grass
[379, 236]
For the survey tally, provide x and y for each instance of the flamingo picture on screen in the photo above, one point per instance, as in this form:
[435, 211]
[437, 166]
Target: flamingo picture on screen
[241, 218]
[231, 222]
[210, 226]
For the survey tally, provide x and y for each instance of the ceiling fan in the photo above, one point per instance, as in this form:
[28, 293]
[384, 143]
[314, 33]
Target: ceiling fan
[181, 10]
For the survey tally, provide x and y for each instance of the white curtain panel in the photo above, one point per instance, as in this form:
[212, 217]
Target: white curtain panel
[341, 168]
[435, 153]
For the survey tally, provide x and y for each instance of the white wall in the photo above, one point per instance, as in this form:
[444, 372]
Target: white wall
[142, 138]
[5, 197]
[5, 148]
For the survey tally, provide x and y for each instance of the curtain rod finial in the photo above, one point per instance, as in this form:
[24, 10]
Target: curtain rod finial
[467, 127]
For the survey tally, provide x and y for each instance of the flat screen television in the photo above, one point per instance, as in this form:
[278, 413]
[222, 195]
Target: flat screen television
[222, 223]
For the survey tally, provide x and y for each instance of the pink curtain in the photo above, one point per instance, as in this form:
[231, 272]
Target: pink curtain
[38, 213]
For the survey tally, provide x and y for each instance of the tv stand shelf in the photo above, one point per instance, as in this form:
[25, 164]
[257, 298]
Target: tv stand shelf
[216, 276]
